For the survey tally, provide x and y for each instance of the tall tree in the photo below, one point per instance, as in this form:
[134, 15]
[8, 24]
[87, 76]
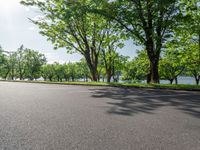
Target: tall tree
[34, 63]
[147, 22]
[9, 68]
[66, 25]
[173, 63]
[110, 57]
[189, 31]
[83, 70]
[20, 59]
[48, 72]
[2, 57]
[137, 69]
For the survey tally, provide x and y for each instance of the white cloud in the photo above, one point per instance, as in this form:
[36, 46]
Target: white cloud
[54, 57]
[31, 28]
[27, 9]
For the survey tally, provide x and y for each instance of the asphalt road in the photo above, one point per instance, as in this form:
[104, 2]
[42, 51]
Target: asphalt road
[60, 117]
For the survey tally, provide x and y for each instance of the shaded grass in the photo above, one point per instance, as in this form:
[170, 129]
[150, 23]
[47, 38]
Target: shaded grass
[125, 85]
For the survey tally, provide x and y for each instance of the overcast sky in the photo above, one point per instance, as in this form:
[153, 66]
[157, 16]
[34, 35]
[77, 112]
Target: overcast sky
[16, 29]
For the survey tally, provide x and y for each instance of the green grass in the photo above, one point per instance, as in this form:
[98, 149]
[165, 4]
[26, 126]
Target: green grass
[125, 85]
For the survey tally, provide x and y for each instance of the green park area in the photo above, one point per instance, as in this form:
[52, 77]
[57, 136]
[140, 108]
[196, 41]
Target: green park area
[166, 32]
[100, 75]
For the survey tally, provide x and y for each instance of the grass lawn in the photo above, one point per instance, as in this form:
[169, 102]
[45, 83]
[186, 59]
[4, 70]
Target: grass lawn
[125, 85]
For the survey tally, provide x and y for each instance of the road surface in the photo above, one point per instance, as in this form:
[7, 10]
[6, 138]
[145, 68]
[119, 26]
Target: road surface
[61, 117]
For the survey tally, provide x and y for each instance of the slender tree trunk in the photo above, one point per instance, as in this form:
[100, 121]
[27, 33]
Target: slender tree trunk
[197, 81]
[6, 77]
[171, 81]
[176, 80]
[86, 78]
[197, 77]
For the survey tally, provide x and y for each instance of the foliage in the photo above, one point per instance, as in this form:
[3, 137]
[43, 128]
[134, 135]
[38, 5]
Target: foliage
[67, 25]
[148, 23]
[24, 63]
[172, 64]
[189, 32]
[136, 69]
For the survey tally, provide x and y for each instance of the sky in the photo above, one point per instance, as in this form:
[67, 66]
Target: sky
[16, 29]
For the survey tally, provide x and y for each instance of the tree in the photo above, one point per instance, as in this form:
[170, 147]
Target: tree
[48, 72]
[189, 31]
[109, 55]
[193, 64]
[66, 72]
[137, 69]
[83, 70]
[2, 59]
[59, 71]
[2, 56]
[66, 25]
[34, 61]
[72, 71]
[7, 64]
[147, 22]
[20, 62]
[172, 64]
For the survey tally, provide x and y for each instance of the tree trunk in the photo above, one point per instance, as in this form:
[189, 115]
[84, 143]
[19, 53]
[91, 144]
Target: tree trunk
[86, 78]
[109, 75]
[197, 78]
[109, 79]
[197, 81]
[92, 67]
[103, 79]
[154, 75]
[176, 80]
[72, 77]
[148, 78]
[93, 71]
[171, 81]
[153, 55]
[94, 75]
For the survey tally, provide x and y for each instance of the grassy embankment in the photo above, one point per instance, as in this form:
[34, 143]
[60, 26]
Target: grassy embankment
[125, 85]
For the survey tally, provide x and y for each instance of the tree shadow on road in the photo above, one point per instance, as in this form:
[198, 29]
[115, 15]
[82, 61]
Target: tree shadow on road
[131, 101]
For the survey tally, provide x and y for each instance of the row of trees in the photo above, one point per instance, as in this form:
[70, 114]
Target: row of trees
[94, 28]
[29, 64]
[167, 30]
[173, 63]
[24, 63]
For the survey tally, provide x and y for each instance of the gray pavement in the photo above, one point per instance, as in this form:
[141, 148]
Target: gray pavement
[61, 117]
